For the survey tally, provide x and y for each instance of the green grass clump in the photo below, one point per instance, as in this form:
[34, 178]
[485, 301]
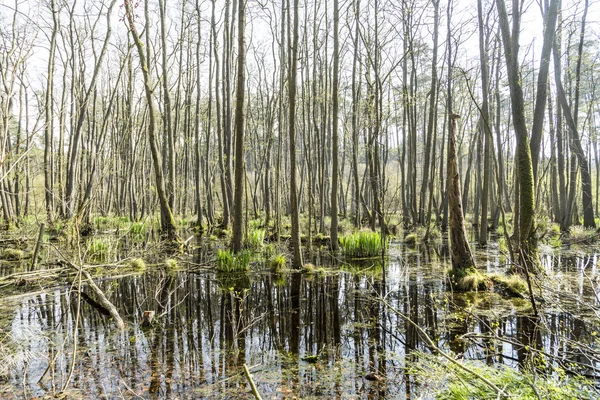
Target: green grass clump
[228, 262]
[137, 229]
[171, 263]
[278, 262]
[12, 254]
[362, 244]
[98, 249]
[256, 238]
[137, 264]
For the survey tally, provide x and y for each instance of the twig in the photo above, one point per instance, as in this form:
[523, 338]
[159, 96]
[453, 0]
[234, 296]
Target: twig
[252, 385]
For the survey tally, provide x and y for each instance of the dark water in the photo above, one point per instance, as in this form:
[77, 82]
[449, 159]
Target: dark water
[210, 324]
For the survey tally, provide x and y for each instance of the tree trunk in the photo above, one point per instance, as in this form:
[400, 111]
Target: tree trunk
[293, 63]
[462, 259]
[238, 204]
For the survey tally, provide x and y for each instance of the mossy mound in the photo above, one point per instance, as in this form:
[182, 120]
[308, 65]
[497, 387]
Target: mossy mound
[471, 281]
[509, 286]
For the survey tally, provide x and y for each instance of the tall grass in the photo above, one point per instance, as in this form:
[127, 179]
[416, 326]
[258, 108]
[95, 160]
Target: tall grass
[228, 262]
[362, 244]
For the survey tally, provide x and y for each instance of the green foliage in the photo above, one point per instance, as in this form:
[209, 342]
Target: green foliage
[362, 244]
[98, 249]
[138, 229]
[411, 239]
[256, 239]
[447, 381]
[278, 262]
[581, 234]
[228, 262]
[434, 232]
[171, 263]
[554, 229]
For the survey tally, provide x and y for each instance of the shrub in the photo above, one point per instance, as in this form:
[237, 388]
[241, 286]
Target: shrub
[362, 244]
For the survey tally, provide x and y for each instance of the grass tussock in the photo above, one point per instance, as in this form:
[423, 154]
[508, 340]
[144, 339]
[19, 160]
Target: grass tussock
[278, 262]
[362, 244]
[256, 239]
[99, 249]
[471, 281]
[229, 262]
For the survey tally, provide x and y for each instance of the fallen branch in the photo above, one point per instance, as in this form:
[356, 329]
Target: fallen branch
[431, 344]
[101, 297]
[252, 385]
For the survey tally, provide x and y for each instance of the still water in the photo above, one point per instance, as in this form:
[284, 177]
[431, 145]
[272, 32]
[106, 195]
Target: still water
[303, 335]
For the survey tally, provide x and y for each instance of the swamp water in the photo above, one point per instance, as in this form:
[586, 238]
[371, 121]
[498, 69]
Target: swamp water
[303, 335]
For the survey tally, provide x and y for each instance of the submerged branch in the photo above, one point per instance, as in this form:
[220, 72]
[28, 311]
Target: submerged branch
[431, 344]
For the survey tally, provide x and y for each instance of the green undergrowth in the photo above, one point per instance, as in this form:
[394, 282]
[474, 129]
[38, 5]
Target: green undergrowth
[443, 380]
[362, 244]
[99, 249]
[278, 262]
[256, 239]
[229, 262]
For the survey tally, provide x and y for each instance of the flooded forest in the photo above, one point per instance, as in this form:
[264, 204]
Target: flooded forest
[299, 199]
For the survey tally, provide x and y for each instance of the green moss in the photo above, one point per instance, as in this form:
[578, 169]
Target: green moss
[313, 269]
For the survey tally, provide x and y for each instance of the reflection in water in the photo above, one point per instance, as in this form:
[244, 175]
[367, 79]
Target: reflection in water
[208, 325]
